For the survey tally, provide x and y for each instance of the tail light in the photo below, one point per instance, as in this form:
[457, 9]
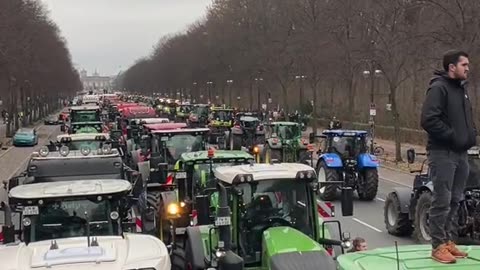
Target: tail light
[330, 250]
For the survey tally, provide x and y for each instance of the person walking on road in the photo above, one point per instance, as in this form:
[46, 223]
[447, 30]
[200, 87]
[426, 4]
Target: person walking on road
[447, 118]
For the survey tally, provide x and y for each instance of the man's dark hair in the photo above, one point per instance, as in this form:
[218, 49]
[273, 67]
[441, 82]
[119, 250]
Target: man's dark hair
[452, 57]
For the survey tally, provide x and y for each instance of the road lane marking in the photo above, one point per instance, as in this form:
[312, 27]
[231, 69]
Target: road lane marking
[367, 225]
[380, 199]
[395, 182]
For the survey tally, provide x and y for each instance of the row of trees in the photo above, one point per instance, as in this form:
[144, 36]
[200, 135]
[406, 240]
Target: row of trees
[36, 70]
[341, 55]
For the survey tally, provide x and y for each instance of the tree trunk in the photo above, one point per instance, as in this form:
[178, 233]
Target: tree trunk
[314, 108]
[396, 124]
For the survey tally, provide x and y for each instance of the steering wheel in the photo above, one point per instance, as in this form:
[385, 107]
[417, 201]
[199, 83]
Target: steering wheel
[271, 222]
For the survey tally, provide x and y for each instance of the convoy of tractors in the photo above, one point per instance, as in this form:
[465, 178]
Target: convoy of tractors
[151, 183]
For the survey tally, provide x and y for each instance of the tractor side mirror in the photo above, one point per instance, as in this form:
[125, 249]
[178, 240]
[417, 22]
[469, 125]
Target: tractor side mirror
[202, 205]
[411, 155]
[347, 201]
[311, 137]
[304, 127]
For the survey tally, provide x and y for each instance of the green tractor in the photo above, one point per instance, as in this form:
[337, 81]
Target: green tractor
[405, 258]
[285, 143]
[220, 123]
[266, 218]
[194, 173]
[183, 112]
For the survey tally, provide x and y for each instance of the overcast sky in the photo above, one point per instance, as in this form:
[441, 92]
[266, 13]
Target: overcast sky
[109, 35]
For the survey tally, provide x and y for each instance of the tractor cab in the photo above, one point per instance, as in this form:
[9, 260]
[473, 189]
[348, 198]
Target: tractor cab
[183, 111]
[92, 141]
[80, 116]
[77, 225]
[199, 115]
[266, 214]
[348, 144]
[285, 143]
[220, 122]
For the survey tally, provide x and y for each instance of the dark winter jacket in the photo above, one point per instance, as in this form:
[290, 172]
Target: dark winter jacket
[447, 115]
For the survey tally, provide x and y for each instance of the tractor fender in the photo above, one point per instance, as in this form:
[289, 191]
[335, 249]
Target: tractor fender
[272, 145]
[194, 238]
[168, 197]
[404, 196]
[237, 131]
[367, 161]
[332, 160]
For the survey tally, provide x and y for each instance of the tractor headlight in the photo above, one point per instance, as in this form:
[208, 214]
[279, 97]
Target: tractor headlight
[306, 175]
[219, 253]
[64, 151]
[173, 209]
[43, 152]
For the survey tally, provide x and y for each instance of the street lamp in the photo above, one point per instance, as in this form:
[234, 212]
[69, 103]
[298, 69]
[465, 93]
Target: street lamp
[257, 80]
[229, 83]
[209, 86]
[301, 78]
[377, 73]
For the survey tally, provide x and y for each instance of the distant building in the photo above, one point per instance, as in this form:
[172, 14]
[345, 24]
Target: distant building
[95, 81]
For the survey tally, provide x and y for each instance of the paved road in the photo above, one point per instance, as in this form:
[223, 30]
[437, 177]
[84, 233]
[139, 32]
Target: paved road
[14, 159]
[368, 220]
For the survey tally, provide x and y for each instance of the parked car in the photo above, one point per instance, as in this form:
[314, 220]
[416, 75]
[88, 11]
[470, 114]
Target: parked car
[25, 136]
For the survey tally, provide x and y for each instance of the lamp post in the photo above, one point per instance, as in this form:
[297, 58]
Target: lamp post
[229, 83]
[301, 78]
[238, 101]
[209, 89]
[372, 74]
[259, 103]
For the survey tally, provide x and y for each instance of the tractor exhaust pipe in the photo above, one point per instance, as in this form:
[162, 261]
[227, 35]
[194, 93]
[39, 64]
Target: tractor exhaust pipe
[223, 213]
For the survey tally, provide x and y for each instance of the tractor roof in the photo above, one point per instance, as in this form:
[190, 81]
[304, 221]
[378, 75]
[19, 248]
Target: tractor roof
[181, 131]
[345, 133]
[165, 126]
[409, 257]
[219, 154]
[151, 120]
[261, 172]
[85, 108]
[84, 137]
[69, 189]
[74, 154]
[285, 123]
[87, 123]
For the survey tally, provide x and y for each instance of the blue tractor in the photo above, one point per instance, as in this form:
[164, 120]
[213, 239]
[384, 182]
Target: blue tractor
[344, 157]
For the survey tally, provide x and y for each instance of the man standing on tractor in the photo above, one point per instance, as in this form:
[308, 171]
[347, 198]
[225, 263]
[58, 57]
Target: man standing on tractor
[447, 118]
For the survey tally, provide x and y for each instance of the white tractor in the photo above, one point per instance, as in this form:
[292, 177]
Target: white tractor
[77, 225]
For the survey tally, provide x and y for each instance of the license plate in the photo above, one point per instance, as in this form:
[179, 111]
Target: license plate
[181, 175]
[222, 221]
[30, 210]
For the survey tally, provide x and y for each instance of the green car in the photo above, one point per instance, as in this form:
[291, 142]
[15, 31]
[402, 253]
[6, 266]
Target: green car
[25, 137]
[408, 257]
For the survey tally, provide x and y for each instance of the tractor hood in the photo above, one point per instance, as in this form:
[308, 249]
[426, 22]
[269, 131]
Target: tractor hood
[410, 257]
[113, 252]
[288, 249]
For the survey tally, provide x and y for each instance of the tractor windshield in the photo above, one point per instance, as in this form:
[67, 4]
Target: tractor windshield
[201, 172]
[288, 132]
[66, 218]
[86, 128]
[78, 145]
[201, 111]
[272, 203]
[85, 116]
[223, 116]
[184, 143]
[348, 146]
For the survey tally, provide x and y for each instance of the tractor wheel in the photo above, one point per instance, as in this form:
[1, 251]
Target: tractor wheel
[178, 259]
[370, 185]
[153, 203]
[271, 154]
[396, 222]
[421, 233]
[189, 257]
[236, 142]
[325, 174]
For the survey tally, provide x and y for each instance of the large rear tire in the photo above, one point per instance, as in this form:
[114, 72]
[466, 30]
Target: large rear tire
[153, 203]
[236, 142]
[396, 222]
[370, 185]
[178, 259]
[325, 174]
[421, 233]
